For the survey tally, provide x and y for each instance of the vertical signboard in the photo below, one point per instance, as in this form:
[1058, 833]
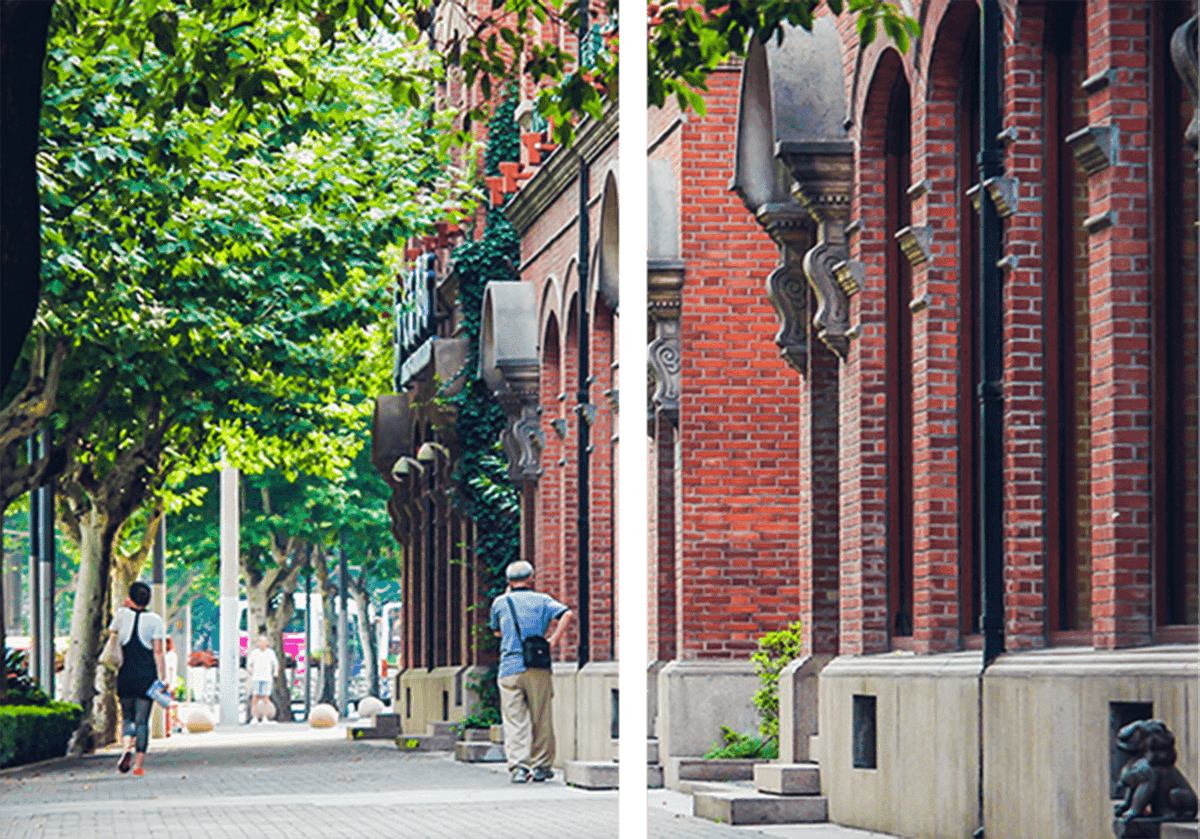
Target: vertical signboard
[415, 314]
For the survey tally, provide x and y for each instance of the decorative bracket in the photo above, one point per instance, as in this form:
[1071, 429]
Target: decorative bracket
[1095, 147]
[1184, 50]
[915, 242]
[663, 355]
[824, 175]
[791, 227]
[1003, 192]
[522, 438]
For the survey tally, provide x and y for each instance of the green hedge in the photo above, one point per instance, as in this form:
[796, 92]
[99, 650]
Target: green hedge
[29, 733]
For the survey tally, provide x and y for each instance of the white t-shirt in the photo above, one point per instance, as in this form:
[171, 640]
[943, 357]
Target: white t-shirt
[262, 664]
[150, 627]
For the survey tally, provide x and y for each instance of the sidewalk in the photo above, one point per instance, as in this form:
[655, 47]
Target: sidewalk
[291, 781]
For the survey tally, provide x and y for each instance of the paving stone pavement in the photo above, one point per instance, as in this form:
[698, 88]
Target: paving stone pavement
[295, 782]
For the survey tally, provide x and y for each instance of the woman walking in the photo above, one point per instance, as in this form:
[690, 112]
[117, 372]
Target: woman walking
[140, 634]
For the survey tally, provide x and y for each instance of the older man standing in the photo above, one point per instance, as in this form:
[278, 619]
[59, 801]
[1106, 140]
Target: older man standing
[526, 690]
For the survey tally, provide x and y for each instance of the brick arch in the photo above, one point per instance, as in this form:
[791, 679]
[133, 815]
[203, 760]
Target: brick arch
[551, 518]
[884, 174]
[550, 305]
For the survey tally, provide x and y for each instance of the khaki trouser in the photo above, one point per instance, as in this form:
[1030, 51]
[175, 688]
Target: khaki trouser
[525, 705]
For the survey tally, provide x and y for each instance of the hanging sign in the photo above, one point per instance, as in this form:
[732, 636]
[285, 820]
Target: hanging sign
[415, 319]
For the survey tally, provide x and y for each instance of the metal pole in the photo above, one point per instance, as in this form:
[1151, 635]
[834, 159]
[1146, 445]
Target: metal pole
[158, 595]
[584, 652]
[228, 661]
[430, 586]
[35, 550]
[343, 681]
[48, 555]
[307, 641]
[991, 404]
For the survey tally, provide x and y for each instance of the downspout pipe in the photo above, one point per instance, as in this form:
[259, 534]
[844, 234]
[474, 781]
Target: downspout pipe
[991, 300]
[990, 392]
[584, 650]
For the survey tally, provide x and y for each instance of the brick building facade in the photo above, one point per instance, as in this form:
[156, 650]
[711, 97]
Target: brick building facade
[529, 357]
[858, 166]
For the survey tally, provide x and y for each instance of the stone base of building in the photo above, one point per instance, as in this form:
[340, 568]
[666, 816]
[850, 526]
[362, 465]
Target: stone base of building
[694, 699]
[439, 695]
[900, 737]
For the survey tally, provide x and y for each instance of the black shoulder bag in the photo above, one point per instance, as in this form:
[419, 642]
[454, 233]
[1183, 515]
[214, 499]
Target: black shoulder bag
[534, 648]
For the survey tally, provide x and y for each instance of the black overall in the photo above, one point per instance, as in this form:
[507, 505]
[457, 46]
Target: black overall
[138, 671]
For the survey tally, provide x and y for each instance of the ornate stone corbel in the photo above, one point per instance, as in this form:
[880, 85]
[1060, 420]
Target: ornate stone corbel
[522, 438]
[1184, 55]
[1095, 147]
[787, 286]
[664, 353]
[824, 176]
[915, 242]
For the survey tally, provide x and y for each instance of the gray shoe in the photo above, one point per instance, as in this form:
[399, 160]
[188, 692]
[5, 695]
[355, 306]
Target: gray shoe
[520, 775]
[541, 774]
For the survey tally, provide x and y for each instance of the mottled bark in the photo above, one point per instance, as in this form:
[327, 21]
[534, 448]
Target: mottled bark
[366, 637]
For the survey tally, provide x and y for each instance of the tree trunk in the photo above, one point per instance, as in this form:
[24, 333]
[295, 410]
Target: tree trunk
[328, 655]
[87, 625]
[366, 637]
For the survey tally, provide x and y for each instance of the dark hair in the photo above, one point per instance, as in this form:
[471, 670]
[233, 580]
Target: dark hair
[139, 593]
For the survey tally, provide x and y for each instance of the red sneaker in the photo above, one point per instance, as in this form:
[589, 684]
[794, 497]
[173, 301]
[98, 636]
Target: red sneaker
[139, 771]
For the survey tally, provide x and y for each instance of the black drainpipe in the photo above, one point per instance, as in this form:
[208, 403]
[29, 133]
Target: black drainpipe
[991, 402]
[581, 399]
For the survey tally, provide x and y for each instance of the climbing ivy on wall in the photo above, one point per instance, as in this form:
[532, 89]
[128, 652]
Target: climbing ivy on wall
[482, 479]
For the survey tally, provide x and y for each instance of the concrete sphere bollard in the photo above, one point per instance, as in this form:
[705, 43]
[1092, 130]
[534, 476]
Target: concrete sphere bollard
[270, 711]
[370, 707]
[199, 720]
[323, 716]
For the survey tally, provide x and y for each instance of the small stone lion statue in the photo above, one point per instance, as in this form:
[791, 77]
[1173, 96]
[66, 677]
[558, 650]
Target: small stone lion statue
[1149, 777]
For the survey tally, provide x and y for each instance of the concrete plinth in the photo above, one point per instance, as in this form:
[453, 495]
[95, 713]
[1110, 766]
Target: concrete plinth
[681, 769]
[787, 778]
[748, 807]
[591, 774]
[474, 751]
[1175, 830]
[477, 735]
[426, 742]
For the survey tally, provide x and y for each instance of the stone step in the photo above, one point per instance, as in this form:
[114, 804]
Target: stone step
[597, 774]
[386, 727]
[681, 769]
[788, 778]
[426, 742]
[477, 735]
[478, 751]
[753, 807]
[591, 774]
[1178, 830]
[651, 750]
[442, 729]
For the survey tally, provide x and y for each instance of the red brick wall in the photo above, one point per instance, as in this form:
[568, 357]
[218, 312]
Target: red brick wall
[739, 560]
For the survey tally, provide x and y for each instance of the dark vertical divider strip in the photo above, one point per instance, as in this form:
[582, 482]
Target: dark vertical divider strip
[633, 420]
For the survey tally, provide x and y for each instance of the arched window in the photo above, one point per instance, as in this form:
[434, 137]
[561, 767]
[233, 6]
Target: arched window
[897, 169]
[1067, 332]
[967, 126]
[1173, 332]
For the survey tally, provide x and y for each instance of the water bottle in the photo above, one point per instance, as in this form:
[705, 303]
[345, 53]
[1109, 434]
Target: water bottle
[158, 692]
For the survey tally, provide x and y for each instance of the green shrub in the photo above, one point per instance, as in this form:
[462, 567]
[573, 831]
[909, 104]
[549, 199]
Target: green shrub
[29, 733]
[775, 651]
[743, 746]
[22, 689]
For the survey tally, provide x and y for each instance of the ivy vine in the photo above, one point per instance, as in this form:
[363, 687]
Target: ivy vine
[481, 477]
